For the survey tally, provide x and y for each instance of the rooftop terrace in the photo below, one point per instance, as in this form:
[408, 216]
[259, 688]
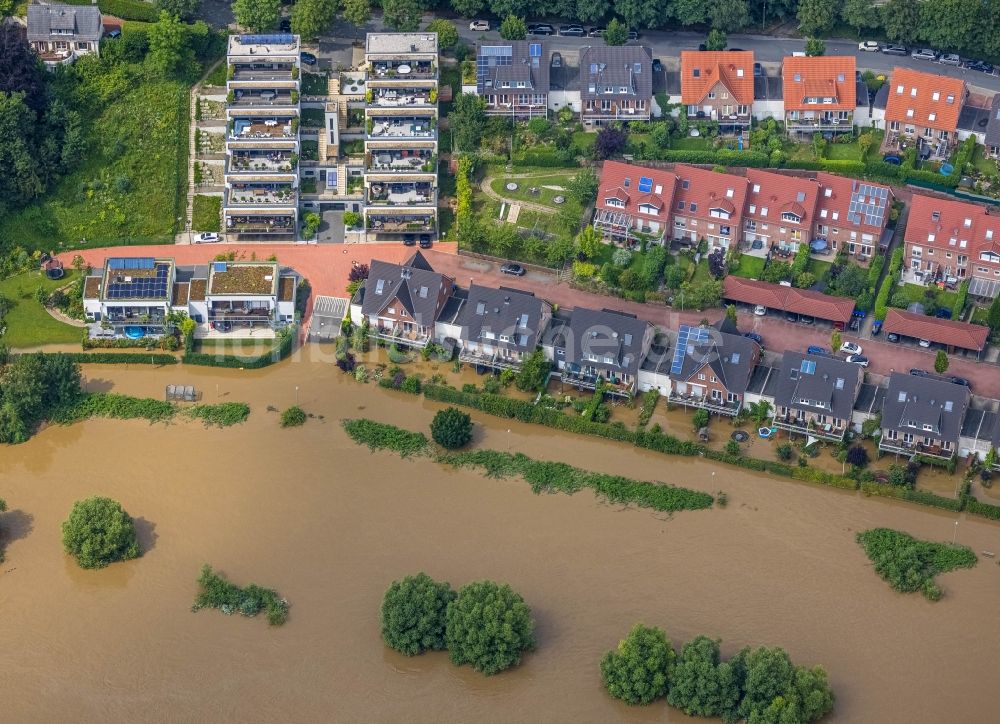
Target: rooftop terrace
[264, 45]
[400, 43]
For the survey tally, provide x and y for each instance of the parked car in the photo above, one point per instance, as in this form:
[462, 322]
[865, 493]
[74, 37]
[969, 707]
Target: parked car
[876, 328]
[425, 241]
[597, 32]
[760, 310]
[894, 49]
[920, 373]
[850, 348]
[633, 35]
[925, 343]
[806, 319]
[409, 239]
[855, 324]
[307, 58]
[541, 30]
[943, 313]
[959, 381]
[791, 317]
[754, 337]
[572, 31]
[924, 54]
[758, 70]
[285, 25]
[950, 59]
[981, 65]
[870, 46]
[813, 349]
[113, 33]
[892, 337]
[209, 237]
[515, 270]
[480, 25]
[858, 359]
[657, 65]
[556, 60]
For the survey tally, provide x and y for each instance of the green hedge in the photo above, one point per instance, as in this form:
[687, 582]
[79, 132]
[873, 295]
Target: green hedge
[984, 509]
[123, 358]
[124, 9]
[542, 158]
[724, 157]
[284, 348]
[936, 501]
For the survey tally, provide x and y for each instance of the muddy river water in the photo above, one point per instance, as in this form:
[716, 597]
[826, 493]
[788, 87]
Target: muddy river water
[329, 525]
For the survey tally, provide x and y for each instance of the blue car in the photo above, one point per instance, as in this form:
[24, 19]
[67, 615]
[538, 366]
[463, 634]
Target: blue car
[876, 327]
[813, 349]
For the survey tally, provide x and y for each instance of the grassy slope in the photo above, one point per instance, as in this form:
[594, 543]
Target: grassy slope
[28, 323]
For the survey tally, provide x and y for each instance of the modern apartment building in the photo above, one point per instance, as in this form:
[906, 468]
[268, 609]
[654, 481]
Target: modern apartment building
[262, 138]
[401, 136]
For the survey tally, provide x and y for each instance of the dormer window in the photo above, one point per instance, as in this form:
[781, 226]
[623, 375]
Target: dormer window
[968, 223]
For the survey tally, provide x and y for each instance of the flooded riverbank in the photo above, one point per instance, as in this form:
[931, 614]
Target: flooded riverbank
[329, 525]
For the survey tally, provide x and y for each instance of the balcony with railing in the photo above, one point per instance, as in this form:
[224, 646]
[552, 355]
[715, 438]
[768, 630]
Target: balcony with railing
[586, 378]
[389, 223]
[627, 109]
[809, 121]
[255, 194]
[276, 128]
[394, 161]
[240, 314]
[723, 118]
[400, 97]
[262, 72]
[244, 98]
[138, 315]
[494, 359]
[276, 224]
[420, 193]
[379, 127]
[706, 402]
[405, 334]
[808, 425]
[250, 162]
[899, 446]
[402, 69]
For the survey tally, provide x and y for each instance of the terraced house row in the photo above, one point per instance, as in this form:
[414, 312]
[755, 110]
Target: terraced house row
[706, 367]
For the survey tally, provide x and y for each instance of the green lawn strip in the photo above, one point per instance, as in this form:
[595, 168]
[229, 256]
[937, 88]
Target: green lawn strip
[983, 164]
[843, 151]
[821, 269]
[310, 150]
[909, 564]
[544, 196]
[915, 294]
[691, 143]
[751, 267]
[223, 414]
[543, 476]
[28, 323]
[313, 117]
[207, 213]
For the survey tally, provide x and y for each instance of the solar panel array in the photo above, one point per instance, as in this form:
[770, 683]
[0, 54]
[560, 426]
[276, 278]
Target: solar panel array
[277, 39]
[141, 262]
[491, 56]
[808, 367]
[645, 184]
[535, 50]
[686, 336]
[869, 202]
[145, 287]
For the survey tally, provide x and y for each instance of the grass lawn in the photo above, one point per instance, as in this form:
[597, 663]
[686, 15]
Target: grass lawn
[852, 151]
[751, 267]
[206, 213]
[544, 195]
[310, 150]
[915, 293]
[537, 221]
[313, 117]
[218, 75]
[983, 164]
[584, 141]
[691, 143]
[820, 268]
[28, 323]
[313, 84]
[128, 187]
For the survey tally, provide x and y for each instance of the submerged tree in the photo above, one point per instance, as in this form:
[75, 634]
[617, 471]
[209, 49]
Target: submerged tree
[98, 532]
[638, 671]
[413, 614]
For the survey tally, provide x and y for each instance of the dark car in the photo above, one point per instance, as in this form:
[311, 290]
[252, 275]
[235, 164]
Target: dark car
[791, 316]
[895, 50]
[813, 349]
[758, 70]
[754, 336]
[285, 25]
[806, 319]
[307, 58]
[574, 31]
[633, 35]
[515, 270]
[409, 239]
[876, 328]
[425, 241]
[981, 65]
[541, 30]
[920, 373]
[943, 313]
[960, 381]
[657, 65]
[855, 324]
[113, 33]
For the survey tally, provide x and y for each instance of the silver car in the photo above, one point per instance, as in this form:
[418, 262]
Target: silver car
[924, 54]
[950, 59]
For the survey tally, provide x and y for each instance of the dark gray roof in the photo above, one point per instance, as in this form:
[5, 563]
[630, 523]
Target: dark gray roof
[993, 125]
[912, 402]
[672, 81]
[870, 399]
[449, 312]
[494, 314]
[768, 88]
[973, 119]
[565, 77]
[982, 425]
[657, 360]
[759, 380]
[512, 60]
[861, 95]
[615, 67]
[597, 336]
[83, 22]
[415, 284]
[731, 357]
[827, 384]
[882, 97]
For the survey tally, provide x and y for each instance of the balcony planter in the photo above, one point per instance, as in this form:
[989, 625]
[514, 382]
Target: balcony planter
[295, 96]
[295, 73]
[369, 95]
[230, 72]
[230, 97]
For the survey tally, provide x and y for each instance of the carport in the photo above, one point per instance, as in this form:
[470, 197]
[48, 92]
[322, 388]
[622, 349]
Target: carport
[836, 310]
[948, 333]
[328, 314]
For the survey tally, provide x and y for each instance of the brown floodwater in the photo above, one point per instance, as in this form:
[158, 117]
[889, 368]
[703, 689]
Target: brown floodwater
[329, 525]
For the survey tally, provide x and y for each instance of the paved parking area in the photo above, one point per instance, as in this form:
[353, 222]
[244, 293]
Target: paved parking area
[331, 229]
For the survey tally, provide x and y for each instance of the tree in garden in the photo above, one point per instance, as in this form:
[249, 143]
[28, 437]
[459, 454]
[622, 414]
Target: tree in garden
[533, 372]
[169, 55]
[621, 257]
[611, 140]
[513, 28]
[402, 15]
[700, 418]
[488, 626]
[941, 362]
[702, 685]
[451, 428]
[729, 15]
[357, 12]
[815, 47]
[583, 186]
[760, 412]
[857, 456]
[835, 340]
[257, 15]
[294, 416]
[616, 33]
[639, 670]
[860, 14]
[717, 266]
[184, 9]
[784, 451]
[467, 121]
[98, 532]
[446, 31]
[816, 17]
[413, 614]
[716, 40]
[993, 316]
[311, 17]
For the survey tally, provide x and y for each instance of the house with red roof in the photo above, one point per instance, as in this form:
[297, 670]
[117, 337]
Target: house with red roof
[709, 205]
[781, 211]
[948, 240]
[820, 94]
[718, 86]
[852, 215]
[634, 202]
[923, 108]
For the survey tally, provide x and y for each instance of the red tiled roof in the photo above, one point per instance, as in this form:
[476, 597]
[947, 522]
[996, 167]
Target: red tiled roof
[835, 200]
[942, 223]
[777, 193]
[819, 77]
[931, 99]
[710, 190]
[733, 69]
[621, 180]
[942, 331]
[788, 299]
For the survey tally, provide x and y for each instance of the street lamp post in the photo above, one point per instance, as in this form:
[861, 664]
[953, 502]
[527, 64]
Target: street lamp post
[954, 536]
[296, 395]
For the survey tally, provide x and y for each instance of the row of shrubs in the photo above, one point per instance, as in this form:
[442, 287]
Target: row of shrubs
[122, 358]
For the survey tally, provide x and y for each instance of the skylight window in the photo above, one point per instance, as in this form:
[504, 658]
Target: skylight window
[379, 286]
[902, 397]
[949, 406]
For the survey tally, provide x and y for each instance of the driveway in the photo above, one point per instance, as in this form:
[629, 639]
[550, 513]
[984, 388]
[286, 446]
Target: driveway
[331, 229]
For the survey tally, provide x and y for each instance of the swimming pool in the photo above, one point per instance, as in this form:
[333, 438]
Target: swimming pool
[135, 332]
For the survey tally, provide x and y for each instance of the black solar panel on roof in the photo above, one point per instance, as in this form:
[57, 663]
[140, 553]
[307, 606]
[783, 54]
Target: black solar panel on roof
[276, 39]
[685, 336]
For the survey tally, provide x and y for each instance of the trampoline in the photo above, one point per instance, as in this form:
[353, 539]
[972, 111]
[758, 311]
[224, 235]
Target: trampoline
[134, 332]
